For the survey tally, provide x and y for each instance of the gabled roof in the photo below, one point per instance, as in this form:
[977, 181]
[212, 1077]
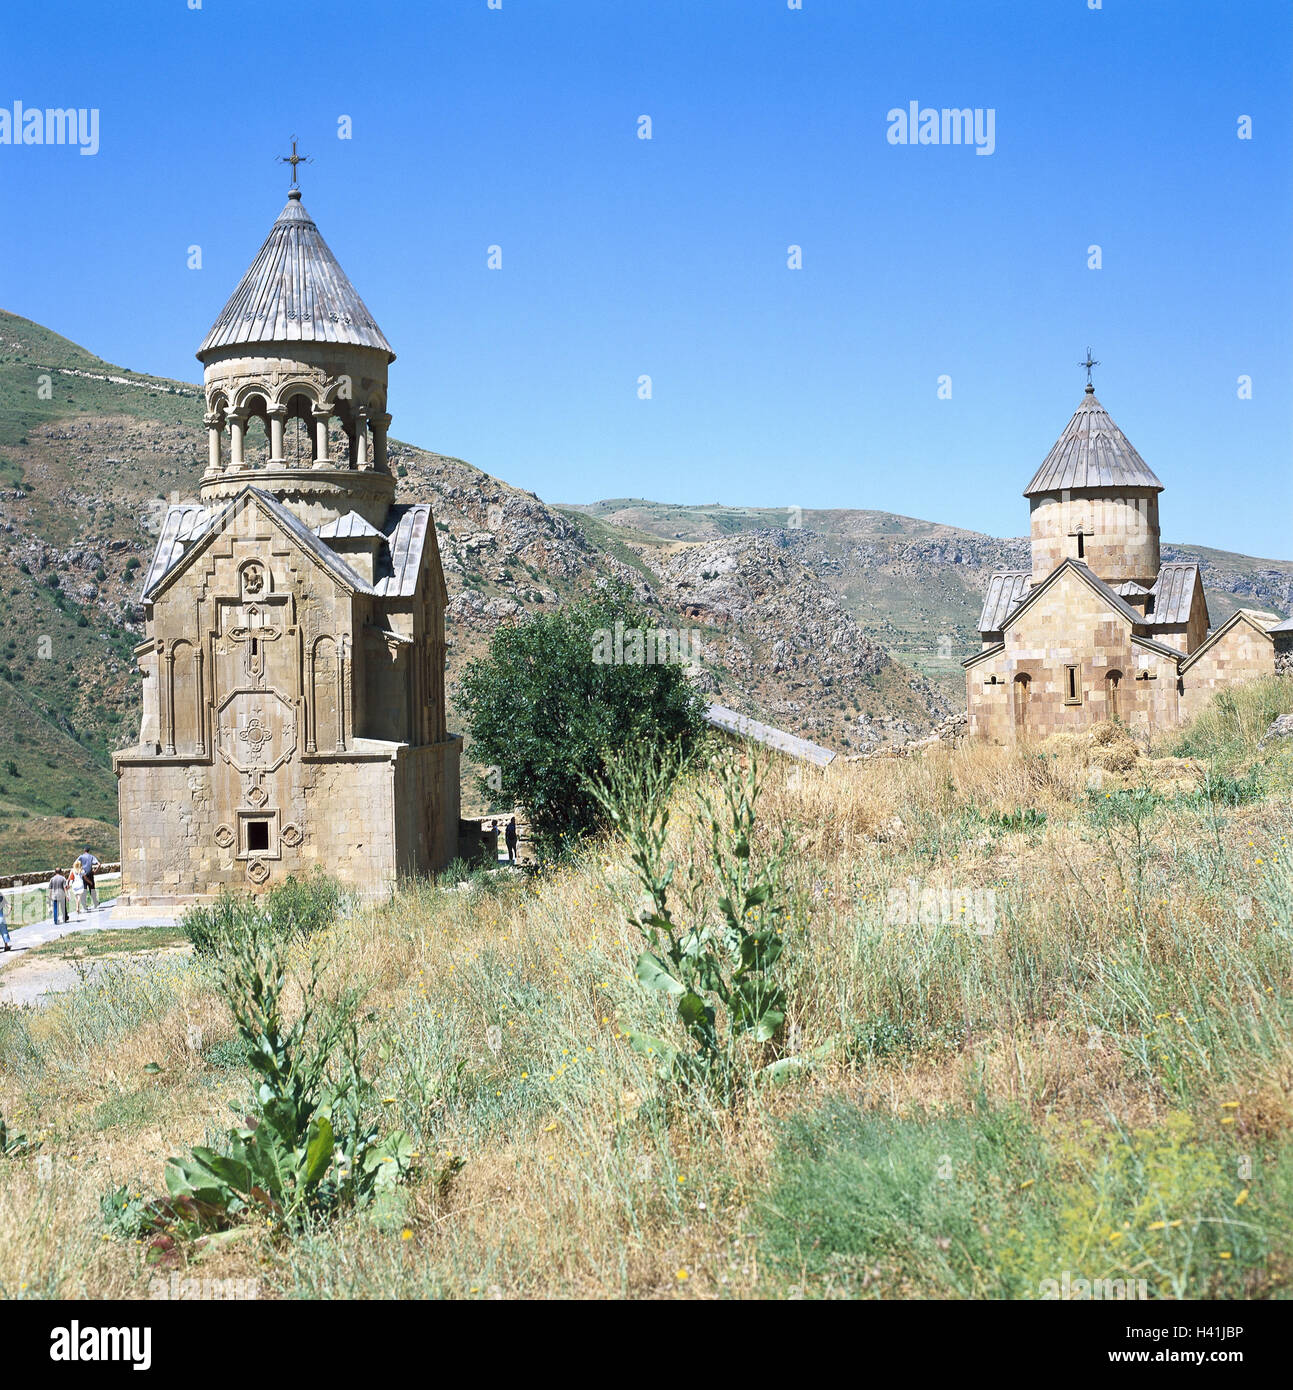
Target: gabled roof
[740, 725]
[1173, 594]
[352, 526]
[1151, 644]
[1214, 637]
[326, 556]
[995, 649]
[183, 524]
[1005, 589]
[183, 531]
[1119, 605]
[407, 528]
[1285, 626]
[1093, 453]
[295, 292]
[1128, 588]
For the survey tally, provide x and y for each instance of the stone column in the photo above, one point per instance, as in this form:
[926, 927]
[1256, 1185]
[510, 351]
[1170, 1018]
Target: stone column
[168, 732]
[345, 709]
[277, 416]
[212, 421]
[381, 424]
[199, 694]
[321, 414]
[311, 687]
[361, 439]
[236, 427]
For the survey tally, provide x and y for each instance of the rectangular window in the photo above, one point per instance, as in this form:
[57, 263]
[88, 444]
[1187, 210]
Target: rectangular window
[257, 835]
[1081, 546]
[1072, 686]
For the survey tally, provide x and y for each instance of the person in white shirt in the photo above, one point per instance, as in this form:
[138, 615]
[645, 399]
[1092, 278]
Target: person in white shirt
[77, 886]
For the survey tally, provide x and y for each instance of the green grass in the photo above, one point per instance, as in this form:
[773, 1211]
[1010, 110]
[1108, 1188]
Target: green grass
[986, 1203]
[1227, 732]
[112, 941]
[129, 1110]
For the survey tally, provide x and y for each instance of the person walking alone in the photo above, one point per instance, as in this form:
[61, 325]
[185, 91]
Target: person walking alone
[88, 864]
[510, 836]
[58, 895]
[4, 926]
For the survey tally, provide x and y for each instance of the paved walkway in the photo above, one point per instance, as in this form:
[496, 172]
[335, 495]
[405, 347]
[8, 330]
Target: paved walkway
[38, 977]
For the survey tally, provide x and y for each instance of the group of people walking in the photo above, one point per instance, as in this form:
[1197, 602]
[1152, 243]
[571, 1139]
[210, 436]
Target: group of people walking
[78, 882]
[509, 837]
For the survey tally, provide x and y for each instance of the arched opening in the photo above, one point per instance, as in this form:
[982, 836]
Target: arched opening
[325, 684]
[298, 444]
[1112, 687]
[186, 696]
[300, 440]
[1020, 690]
[255, 443]
[254, 411]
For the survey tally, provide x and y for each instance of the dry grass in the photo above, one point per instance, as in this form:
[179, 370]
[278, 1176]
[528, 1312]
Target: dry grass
[583, 1177]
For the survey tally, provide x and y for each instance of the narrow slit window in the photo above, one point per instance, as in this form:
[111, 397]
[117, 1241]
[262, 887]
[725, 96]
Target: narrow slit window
[1072, 686]
[1081, 546]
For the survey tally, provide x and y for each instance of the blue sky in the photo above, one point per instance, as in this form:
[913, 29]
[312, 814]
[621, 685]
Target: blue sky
[623, 257]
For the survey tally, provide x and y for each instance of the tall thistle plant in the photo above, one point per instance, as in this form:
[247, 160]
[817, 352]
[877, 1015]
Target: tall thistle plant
[310, 1142]
[713, 940]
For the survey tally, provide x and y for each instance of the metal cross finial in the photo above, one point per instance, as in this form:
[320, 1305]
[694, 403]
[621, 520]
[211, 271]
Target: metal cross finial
[1088, 364]
[294, 159]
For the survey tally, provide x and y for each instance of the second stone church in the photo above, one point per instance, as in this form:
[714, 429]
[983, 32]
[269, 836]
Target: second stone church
[1098, 627]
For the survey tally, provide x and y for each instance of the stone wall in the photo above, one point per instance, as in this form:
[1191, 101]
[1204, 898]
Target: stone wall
[1284, 652]
[338, 814]
[1120, 539]
[1024, 691]
[1241, 653]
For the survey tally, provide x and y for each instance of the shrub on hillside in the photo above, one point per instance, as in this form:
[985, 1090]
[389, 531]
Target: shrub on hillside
[1232, 725]
[547, 713]
[296, 907]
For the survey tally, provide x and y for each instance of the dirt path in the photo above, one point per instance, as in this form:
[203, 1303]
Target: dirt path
[28, 978]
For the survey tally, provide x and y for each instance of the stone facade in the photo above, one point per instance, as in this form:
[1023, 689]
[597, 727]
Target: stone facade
[1240, 650]
[293, 668]
[1099, 629]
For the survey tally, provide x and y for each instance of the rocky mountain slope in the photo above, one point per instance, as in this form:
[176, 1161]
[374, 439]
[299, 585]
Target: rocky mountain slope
[917, 586]
[846, 627]
[90, 455]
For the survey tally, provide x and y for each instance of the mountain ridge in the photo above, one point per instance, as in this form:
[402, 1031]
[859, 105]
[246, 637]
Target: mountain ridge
[843, 626]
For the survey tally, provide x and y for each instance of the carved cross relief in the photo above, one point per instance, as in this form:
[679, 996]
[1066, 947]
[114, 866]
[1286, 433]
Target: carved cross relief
[255, 634]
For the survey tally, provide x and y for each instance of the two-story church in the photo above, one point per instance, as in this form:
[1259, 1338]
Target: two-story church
[293, 668]
[1098, 628]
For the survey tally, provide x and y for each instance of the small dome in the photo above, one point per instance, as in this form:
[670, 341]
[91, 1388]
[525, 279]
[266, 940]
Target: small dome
[295, 292]
[1092, 453]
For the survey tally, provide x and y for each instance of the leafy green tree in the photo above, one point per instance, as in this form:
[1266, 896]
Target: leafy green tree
[550, 706]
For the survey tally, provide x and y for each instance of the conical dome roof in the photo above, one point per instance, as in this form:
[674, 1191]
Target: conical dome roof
[295, 292]
[1092, 452]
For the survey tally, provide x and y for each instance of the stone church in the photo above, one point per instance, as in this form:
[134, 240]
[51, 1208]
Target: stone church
[1098, 627]
[293, 669]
